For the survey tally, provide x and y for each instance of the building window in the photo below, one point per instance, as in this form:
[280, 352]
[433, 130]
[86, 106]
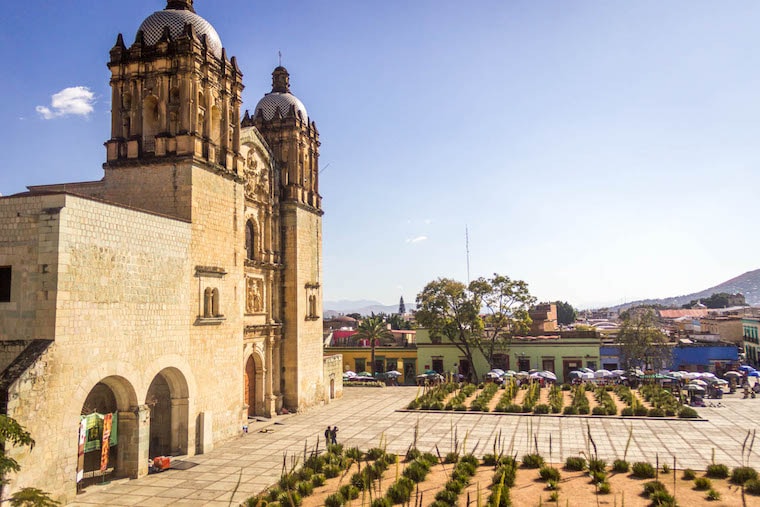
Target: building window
[501, 361]
[5, 284]
[250, 241]
[359, 364]
[211, 303]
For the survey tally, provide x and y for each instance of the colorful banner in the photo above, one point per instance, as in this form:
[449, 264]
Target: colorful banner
[93, 424]
[80, 448]
[107, 420]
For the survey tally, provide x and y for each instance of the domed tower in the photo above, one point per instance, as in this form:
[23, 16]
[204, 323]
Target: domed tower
[175, 97]
[282, 120]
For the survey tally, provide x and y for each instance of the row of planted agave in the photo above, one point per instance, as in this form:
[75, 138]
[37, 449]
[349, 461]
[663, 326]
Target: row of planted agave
[365, 487]
[453, 396]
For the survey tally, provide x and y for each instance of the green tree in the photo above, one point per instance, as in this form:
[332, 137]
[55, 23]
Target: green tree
[479, 317]
[11, 432]
[373, 329]
[566, 314]
[642, 343]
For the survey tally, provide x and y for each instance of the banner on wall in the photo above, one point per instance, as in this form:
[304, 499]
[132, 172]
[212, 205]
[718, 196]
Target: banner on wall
[80, 449]
[107, 420]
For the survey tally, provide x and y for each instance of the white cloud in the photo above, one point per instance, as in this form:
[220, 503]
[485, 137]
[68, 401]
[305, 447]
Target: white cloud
[76, 100]
[417, 239]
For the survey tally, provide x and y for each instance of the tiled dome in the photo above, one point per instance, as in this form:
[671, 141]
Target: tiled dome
[153, 28]
[271, 101]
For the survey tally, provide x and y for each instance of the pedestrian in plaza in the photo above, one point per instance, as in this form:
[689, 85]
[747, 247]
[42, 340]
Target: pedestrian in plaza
[328, 435]
[334, 435]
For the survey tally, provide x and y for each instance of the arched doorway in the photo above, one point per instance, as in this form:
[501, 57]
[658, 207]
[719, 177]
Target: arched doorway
[109, 407]
[254, 386]
[168, 402]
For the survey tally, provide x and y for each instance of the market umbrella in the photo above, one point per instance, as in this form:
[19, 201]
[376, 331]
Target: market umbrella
[493, 374]
[498, 371]
[535, 375]
[511, 372]
[730, 374]
[393, 373]
[364, 374]
[706, 375]
[602, 373]
[698, 382]
[754, 373]
[618, 373]
[349, 373]
[719, 382]
[522, 374]
[694, 387]
[746, 367]
[547, 375]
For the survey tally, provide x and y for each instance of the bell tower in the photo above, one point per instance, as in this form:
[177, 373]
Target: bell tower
[294, 140]
[175, 95]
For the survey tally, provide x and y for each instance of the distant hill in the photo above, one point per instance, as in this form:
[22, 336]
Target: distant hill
[747, 284]
[362, 307]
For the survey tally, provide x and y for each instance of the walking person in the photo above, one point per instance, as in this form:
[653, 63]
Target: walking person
[328, 436]
[334, 435]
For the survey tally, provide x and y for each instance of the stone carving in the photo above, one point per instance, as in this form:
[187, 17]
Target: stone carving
[256, 176]
[254, 301]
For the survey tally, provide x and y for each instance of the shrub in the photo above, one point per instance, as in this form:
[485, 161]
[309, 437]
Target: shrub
[273, 494]
[663, 499]
[466, 468]
[554, 497]
[549, 473]
[599, 410]
[642, 470]
[741, 475]
[451, 457]
[575, 463]
[429, 458]
[375, 453]
[291, 498]
[412, 454]
[331, 471]
[598, 476]
[665, 468]
[508, 472]
[359, 481]
[349, 492]
[334, 500]
[502, 493]
[597, 465]
[455, 486]
[447, 496]
[570, 410]
[652, 487]
[305, 488]
[640, 411]
[702, 484]
[621, 466]
[604, 488]
[471, 459]
[354, 453]
[687, 413]
[752, 487]
[400, 492]
[713, 495]
[656, 412]
[689, 475]
[305, 473]
[288, 481]
[717, 471]
[626, 412]
[532, 461]
[541, 409]
[552, 485]
[513, 408]
[583, 410]
[381, 502]
[416, 471]
[489, 460]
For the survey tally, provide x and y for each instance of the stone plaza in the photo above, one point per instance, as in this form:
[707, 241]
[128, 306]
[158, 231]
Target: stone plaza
[245, 466]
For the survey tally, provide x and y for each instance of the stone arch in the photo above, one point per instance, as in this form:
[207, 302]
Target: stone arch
[111, 394]
[151, 121]
[168, 399]
[254, 384]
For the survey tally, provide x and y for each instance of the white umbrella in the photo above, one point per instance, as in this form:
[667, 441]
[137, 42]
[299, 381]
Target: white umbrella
[618, 373]
[720, 382]
[587, 375]
[547, 374]
[602, 373]
[498, 371]
[706, 375]
[511, 372]
[350, 373]
[493, 374]
[691, 375]
[694, 387]
[393, 373]
[535, 375]
[522, 374]
[698, 382]
[586, 370]
[735, 374]
[676, 374]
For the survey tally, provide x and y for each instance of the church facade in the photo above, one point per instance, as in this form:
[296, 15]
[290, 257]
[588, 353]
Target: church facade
[182, 292]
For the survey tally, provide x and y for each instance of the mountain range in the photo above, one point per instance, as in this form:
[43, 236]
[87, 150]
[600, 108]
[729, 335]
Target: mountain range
[747, 284]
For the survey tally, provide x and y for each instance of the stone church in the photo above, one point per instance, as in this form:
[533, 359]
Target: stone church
[182, 292]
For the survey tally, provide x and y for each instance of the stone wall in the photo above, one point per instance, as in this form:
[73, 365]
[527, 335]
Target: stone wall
[120, 296]
[333, 375]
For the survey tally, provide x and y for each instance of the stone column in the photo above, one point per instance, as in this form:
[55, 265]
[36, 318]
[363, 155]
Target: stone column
[269, 397]
[179, 425]
[134, 440]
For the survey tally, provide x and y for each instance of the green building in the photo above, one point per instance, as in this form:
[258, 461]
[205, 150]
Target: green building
[560, 353]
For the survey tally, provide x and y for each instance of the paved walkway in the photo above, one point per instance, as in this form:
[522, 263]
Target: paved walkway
[244, 466]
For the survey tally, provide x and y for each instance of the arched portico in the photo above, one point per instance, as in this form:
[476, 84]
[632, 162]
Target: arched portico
[113, 397]
[168, 401]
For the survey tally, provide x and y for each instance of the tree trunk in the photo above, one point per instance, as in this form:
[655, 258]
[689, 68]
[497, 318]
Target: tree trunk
[372, 357]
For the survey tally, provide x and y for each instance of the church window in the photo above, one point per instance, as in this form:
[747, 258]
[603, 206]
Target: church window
[211, 303]
[151, 119]
[5, 284]
[250, 241]
[312, 306]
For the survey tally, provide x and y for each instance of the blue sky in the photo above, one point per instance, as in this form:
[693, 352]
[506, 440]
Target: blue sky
[600, 151]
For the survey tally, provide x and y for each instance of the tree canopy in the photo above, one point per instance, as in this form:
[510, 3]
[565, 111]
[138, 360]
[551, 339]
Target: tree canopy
[642, 343]
[719, 300]
[566, 314]
[479, 317]
[373, 329]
